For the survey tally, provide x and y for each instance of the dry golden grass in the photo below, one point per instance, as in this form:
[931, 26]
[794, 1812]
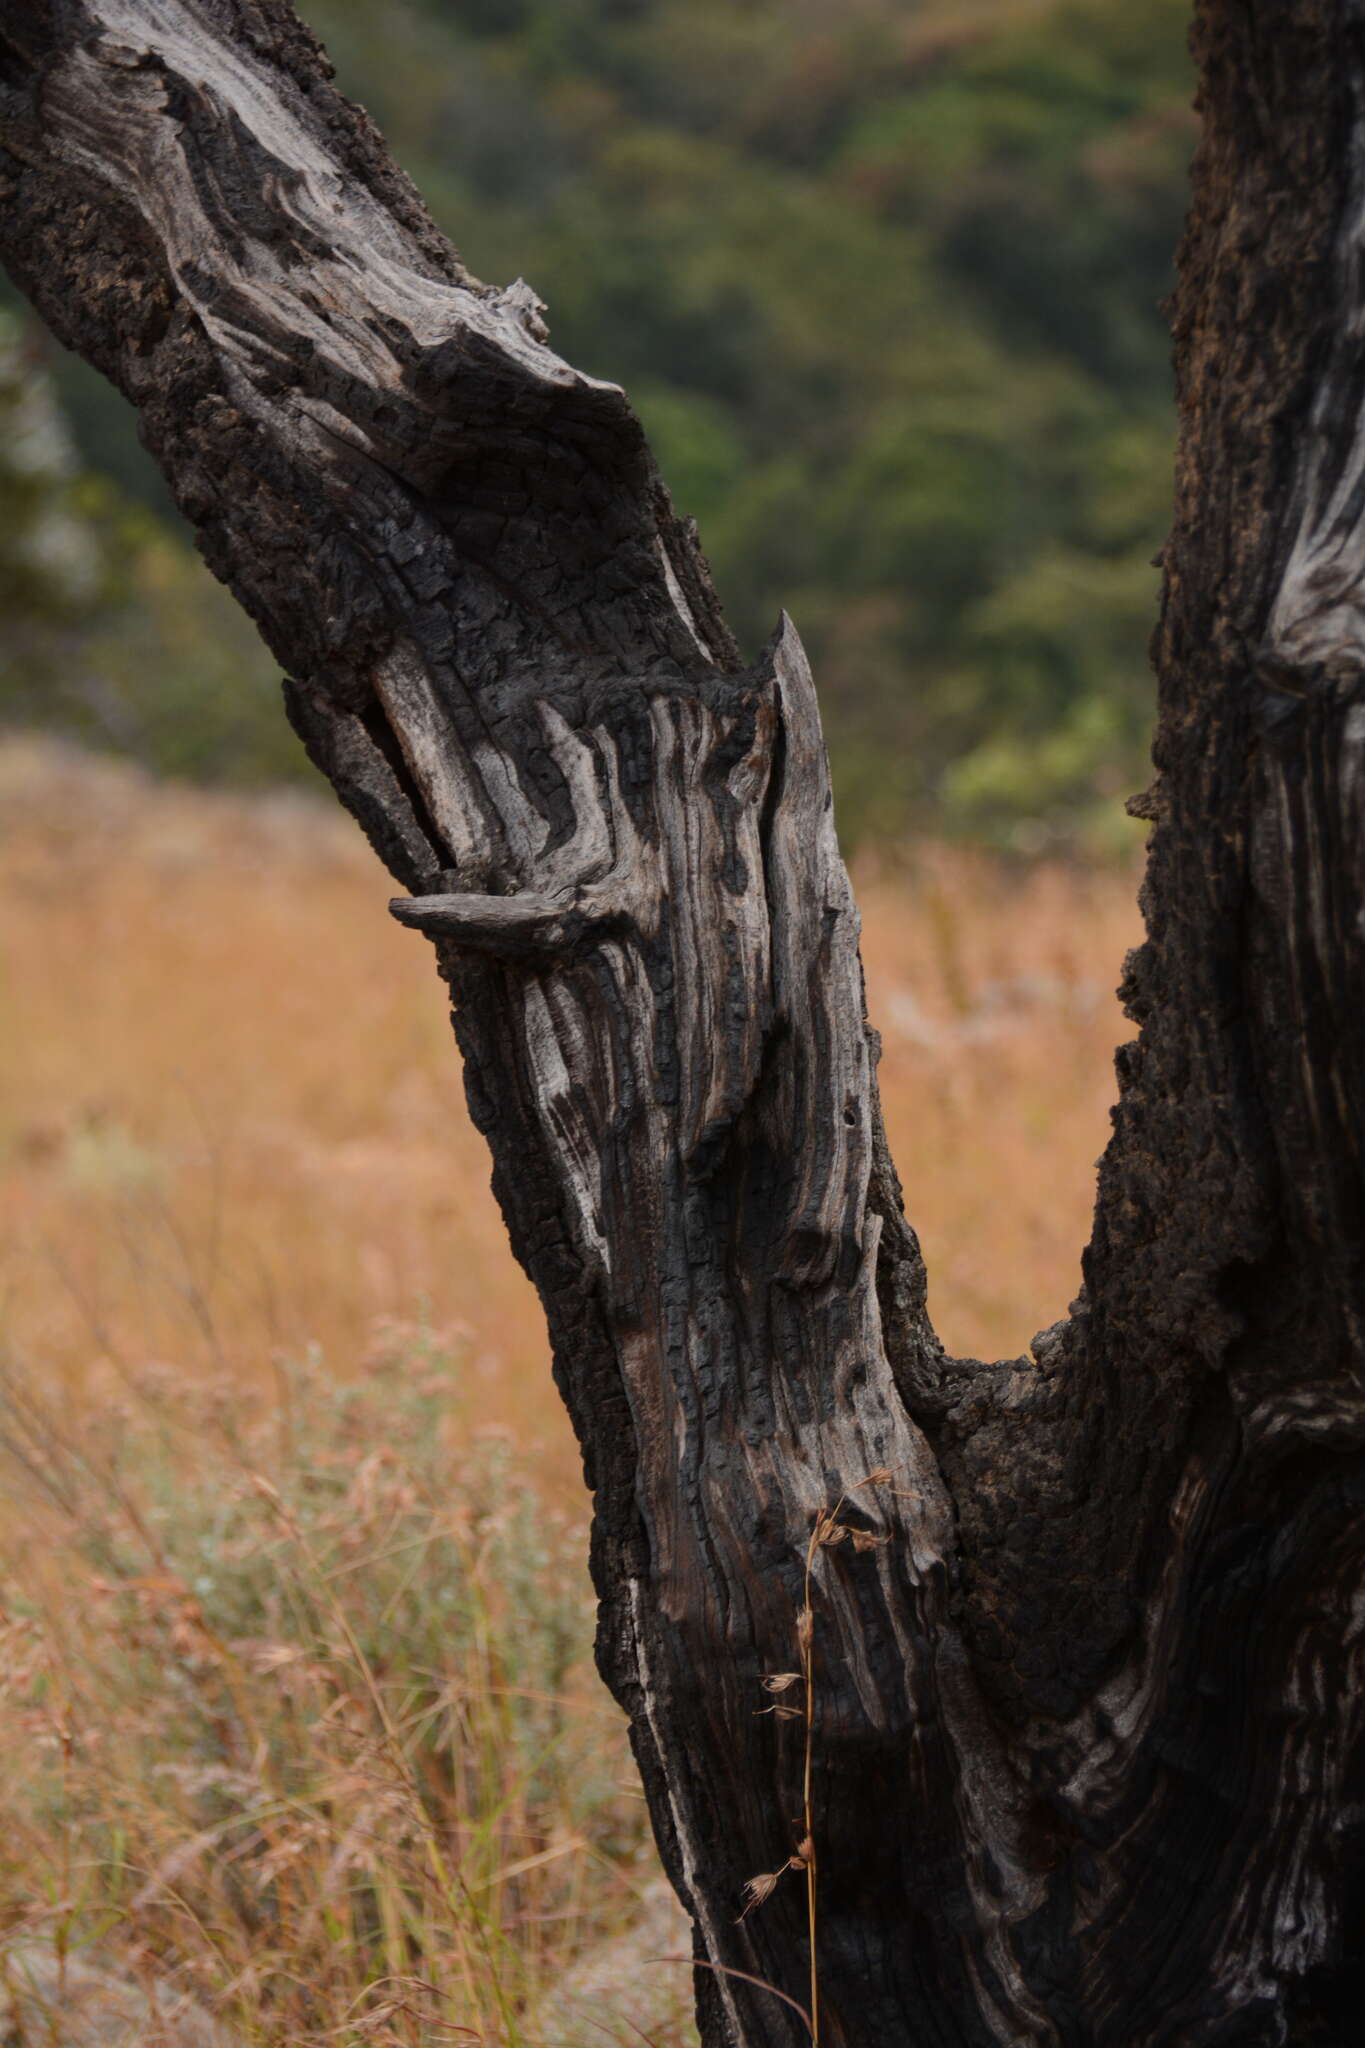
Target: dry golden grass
[297, 1724]
[992, 988]
[232, 1126]
[295, 1711]
[231, 1119]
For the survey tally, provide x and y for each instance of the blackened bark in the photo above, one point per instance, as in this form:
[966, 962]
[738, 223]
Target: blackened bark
[1072, 1643]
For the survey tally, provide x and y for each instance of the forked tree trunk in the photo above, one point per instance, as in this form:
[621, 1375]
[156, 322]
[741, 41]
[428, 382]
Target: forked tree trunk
[1056, 1661]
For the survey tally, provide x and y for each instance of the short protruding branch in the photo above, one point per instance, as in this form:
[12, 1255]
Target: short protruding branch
[528, 926]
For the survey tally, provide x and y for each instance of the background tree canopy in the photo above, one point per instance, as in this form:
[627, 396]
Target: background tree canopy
[884, 283]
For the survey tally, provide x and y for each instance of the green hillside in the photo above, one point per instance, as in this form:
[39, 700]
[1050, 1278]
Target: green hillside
[883, 280]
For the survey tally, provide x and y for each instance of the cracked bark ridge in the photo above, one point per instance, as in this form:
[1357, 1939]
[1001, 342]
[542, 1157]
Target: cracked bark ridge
[1086, 1740]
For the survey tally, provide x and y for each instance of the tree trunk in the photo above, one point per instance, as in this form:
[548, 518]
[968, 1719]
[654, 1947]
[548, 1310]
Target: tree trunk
[1036, 1684]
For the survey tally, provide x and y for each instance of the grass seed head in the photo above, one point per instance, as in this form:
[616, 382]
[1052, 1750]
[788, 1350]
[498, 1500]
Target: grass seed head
[758, 1890]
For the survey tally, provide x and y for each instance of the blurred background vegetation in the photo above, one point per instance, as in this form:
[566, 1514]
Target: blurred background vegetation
[884, 281]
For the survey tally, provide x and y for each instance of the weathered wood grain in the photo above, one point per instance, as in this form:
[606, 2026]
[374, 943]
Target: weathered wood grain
[1086, 1744]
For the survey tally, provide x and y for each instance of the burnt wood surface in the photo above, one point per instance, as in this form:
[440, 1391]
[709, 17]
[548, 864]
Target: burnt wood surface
[1080, 1633]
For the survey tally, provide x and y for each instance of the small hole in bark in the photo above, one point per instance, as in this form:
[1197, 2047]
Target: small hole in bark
[850, 1116]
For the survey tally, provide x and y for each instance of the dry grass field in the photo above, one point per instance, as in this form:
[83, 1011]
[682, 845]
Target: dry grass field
[295, 1712]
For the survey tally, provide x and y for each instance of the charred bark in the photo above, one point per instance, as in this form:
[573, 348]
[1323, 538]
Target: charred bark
[1042, 1677]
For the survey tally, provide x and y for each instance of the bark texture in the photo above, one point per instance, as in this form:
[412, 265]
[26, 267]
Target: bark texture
[1081, 1633]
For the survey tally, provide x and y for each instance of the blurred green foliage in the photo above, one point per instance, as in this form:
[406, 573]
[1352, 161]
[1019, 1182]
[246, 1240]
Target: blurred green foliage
[883, 280]
[111, 630]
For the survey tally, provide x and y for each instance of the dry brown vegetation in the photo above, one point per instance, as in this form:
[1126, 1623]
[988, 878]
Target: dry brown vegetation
[294, 1697]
